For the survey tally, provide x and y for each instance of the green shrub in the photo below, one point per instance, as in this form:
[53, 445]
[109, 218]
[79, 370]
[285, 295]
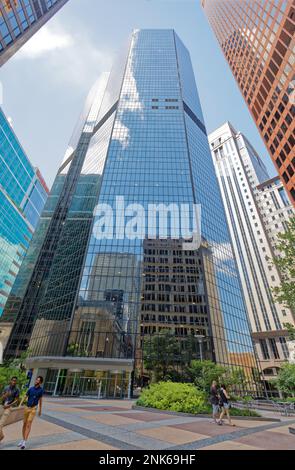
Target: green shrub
[290, 399]
[173, 396]
[243, 412]
[181, 397]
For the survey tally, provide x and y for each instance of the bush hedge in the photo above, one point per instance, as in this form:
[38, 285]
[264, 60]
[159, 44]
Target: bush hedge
[181, 397]
[173, 396]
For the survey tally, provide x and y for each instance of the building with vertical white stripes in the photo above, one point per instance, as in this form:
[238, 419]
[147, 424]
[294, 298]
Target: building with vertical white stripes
[241, 176]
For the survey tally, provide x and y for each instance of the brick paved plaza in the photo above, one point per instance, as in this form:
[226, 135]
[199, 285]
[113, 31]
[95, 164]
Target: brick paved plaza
[76, 424]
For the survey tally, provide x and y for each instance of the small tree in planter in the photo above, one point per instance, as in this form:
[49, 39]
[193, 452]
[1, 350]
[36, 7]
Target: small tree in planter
[202, 373]
[285, 380]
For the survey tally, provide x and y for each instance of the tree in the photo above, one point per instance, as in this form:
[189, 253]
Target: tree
[236, 379]
[285, 293]
[291, 331]
[285, 380]
[202, 373]
[161, 355]
[13, 368]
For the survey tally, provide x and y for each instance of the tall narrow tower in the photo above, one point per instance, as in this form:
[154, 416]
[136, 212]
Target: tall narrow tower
[257, 39]
[95, 303]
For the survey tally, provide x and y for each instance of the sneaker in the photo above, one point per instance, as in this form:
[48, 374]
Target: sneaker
[23, 446]
[20, 444]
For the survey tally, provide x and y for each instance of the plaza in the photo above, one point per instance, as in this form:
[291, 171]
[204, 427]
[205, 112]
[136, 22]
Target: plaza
[82, 424]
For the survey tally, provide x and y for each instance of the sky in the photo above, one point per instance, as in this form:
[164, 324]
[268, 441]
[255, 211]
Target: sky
[46, 83]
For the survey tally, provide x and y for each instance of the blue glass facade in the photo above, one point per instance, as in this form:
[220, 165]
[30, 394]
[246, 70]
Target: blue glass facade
[146, 141]
[22, 197]
[20, 19]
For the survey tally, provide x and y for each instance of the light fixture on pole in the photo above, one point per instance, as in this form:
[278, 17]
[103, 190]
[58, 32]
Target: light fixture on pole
[200, 339]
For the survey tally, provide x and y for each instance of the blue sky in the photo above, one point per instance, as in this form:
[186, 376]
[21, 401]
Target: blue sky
[46, 83]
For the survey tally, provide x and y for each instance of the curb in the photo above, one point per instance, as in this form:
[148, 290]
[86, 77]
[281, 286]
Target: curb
[179, 413]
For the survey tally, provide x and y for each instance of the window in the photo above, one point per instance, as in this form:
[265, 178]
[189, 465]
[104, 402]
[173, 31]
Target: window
[264, 349]
[284, 347]
[274, 348]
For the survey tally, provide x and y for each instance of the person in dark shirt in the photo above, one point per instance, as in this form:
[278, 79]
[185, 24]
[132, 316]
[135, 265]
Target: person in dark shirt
[214, 400]
[224, 402]
[34, 399]
[8, 399]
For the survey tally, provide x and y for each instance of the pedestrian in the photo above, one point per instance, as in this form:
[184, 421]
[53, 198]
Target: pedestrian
[214, 400]
[9, 398]
[225, 405]
[34, 400]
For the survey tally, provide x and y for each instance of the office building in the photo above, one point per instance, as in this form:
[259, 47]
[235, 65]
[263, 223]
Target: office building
[23, 194]
[275, 208]
[257, 39]
[141, 138]
[20, 19]
[241, 175]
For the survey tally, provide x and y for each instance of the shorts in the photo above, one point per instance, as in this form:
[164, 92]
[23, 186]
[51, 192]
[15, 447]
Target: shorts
[226, 406]
[29, 414]
[215, 409]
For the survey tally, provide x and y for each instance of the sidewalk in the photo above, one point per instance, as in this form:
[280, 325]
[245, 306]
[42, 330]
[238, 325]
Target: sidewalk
[77, 424]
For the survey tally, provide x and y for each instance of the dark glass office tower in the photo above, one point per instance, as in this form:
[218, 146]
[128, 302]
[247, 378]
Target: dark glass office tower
[20, 19]
[95, 304]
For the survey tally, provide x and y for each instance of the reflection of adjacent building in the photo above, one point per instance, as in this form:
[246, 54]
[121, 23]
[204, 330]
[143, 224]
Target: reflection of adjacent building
[5, 330]
[112, 282]
[174, 298]
[173, 294]
[217, 324]
[246, 362]
[97, 332]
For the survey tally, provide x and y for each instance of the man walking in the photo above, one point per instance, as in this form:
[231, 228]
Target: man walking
[9, 398]
[214, 400]
[34, 399]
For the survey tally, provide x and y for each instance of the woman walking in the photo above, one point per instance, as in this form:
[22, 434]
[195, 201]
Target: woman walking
[225, 405]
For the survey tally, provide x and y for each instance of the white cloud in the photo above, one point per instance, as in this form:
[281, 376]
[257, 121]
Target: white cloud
[68, 56]
[122, 134]
[43, 42]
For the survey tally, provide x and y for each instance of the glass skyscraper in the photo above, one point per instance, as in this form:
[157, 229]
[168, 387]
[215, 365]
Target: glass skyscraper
[93, 303]
[20, 19]
[23, 193]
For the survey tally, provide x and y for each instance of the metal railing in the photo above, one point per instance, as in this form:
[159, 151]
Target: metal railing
[284, 408]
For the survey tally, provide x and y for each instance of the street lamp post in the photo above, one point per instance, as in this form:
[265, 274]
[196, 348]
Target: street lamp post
[200, 339]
